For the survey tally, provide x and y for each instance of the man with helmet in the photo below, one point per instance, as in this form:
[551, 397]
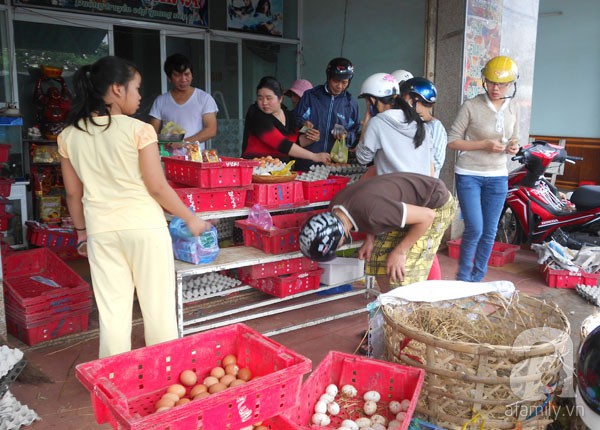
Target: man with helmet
[330, 108]
[416, 208]
[484, 132]
[395, 139]
[421, 94]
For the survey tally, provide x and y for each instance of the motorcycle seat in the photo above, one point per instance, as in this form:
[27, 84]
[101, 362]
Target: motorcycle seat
[586, 197]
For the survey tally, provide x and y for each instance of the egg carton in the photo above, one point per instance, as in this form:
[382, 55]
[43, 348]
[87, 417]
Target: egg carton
[316, 173]
[589, 292]
[14, 415]
[348, 169]
[11, 365]
[354, 178]
[268, 168]
[210, 284]
[225, 228]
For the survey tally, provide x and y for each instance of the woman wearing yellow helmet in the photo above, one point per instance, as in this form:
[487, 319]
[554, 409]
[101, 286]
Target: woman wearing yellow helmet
[485, 130]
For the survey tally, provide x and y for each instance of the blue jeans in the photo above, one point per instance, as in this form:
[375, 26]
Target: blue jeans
[481, 201]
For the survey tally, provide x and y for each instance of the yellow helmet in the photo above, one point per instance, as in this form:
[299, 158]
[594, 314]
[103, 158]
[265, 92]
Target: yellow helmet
[501, 70]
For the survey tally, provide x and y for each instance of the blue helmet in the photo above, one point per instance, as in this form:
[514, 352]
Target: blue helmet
[421, 87]
[588, 378]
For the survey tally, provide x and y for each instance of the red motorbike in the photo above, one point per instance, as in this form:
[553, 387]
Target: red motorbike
[534, 211]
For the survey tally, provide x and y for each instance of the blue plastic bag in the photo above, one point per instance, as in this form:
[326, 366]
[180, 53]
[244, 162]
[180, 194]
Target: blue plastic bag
[195, 250]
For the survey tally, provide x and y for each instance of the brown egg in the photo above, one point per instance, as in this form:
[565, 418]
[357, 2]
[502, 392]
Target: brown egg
[229, 359]
[197, 389]
[216, 388]
[164, 403]
[261, 428]
[210, 380]
[171, 396]
[182, 401]
[232, 369]
[245, 374]
[227, 379]
[237, 382]
[188, 378]
[177, 389]
[202, 395]
[217, 372]
[163, 408]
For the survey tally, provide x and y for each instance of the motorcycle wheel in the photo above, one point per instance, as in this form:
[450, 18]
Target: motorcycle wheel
[509, 228]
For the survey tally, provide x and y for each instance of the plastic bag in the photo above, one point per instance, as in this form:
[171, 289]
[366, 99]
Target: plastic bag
[260, 217]
[196, 250]
[339, 152]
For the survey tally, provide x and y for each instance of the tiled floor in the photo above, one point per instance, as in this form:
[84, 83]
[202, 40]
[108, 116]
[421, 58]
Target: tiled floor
[64, 404]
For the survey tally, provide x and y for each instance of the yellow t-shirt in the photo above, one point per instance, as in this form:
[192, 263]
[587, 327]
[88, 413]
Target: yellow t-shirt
[107, 163]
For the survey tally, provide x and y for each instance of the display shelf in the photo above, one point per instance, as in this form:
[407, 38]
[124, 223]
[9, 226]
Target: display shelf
[241, 256]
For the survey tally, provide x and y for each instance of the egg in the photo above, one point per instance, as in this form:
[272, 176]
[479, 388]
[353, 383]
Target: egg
[210, 380]
[163, 408]
[229, 359]
[216, 388]
[245, 374]
[188, 378]
[182, 401]
[217, 372]
[197, 389]
[261, 428]
[164, 403]
[394, 407]
[363, 422]
[201, 395]
[227, 379]
[232, 369]
[177, 389]
[237, 382]
[171, 396]
[370, 407]
[349, 391]
[373, 396]
[405, 404]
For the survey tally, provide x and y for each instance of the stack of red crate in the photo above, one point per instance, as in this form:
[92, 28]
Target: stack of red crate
[210, 186]
[44, 297]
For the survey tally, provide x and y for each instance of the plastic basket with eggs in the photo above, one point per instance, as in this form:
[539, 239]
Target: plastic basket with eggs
[230, 377]
[351, 392]
[272, 170]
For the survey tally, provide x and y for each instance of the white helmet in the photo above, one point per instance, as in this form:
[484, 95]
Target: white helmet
[402, 75]
[379, 85]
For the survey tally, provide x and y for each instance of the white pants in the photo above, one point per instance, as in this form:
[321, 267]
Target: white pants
[128, 261]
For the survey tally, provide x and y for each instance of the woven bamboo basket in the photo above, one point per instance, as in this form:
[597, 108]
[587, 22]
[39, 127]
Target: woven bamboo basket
[490, 362]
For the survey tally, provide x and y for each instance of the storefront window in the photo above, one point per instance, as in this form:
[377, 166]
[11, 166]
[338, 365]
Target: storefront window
[60, 46]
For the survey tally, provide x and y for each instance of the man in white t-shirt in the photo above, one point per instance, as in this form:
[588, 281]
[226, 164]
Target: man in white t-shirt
[191, 108]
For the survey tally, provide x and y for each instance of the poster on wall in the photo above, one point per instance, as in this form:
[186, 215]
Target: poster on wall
[482, 41]
[188, 12]
[256, 16]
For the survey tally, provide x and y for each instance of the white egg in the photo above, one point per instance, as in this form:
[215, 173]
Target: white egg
[333, 408]
[332, 389]
[321, 419]
[363, 422]
[378, 419]
[394, 425]
[401, 416]
[321, 407]
[395, 407]
[370, 407]
[405, 404]
[350, 424]
[349, 391]
[372, 395]
[378, 426]
[327, 397]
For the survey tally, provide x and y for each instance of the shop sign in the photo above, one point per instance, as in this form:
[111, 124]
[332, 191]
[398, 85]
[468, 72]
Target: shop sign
[256, 16]
[189, 12]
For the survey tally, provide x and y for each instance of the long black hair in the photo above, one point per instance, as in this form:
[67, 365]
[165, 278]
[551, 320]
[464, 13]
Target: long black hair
[91, 83]
[411, 115]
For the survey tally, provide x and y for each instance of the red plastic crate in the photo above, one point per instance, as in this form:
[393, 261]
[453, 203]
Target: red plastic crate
[5, 185]
[286, 285]
[281, 238]
[277, 268]
[229, 172]
[558, 278]
[321, 191]
[502, 253]
[4, 149]
[42, 235]
[125, 387]
[392, 381]
[4, 219]
[277, 195]
[26, 317]
[23, 292]
[200, 200]
[49, 328]
[590, 278]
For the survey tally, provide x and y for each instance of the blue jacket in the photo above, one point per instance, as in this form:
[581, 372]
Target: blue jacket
[325, 110]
